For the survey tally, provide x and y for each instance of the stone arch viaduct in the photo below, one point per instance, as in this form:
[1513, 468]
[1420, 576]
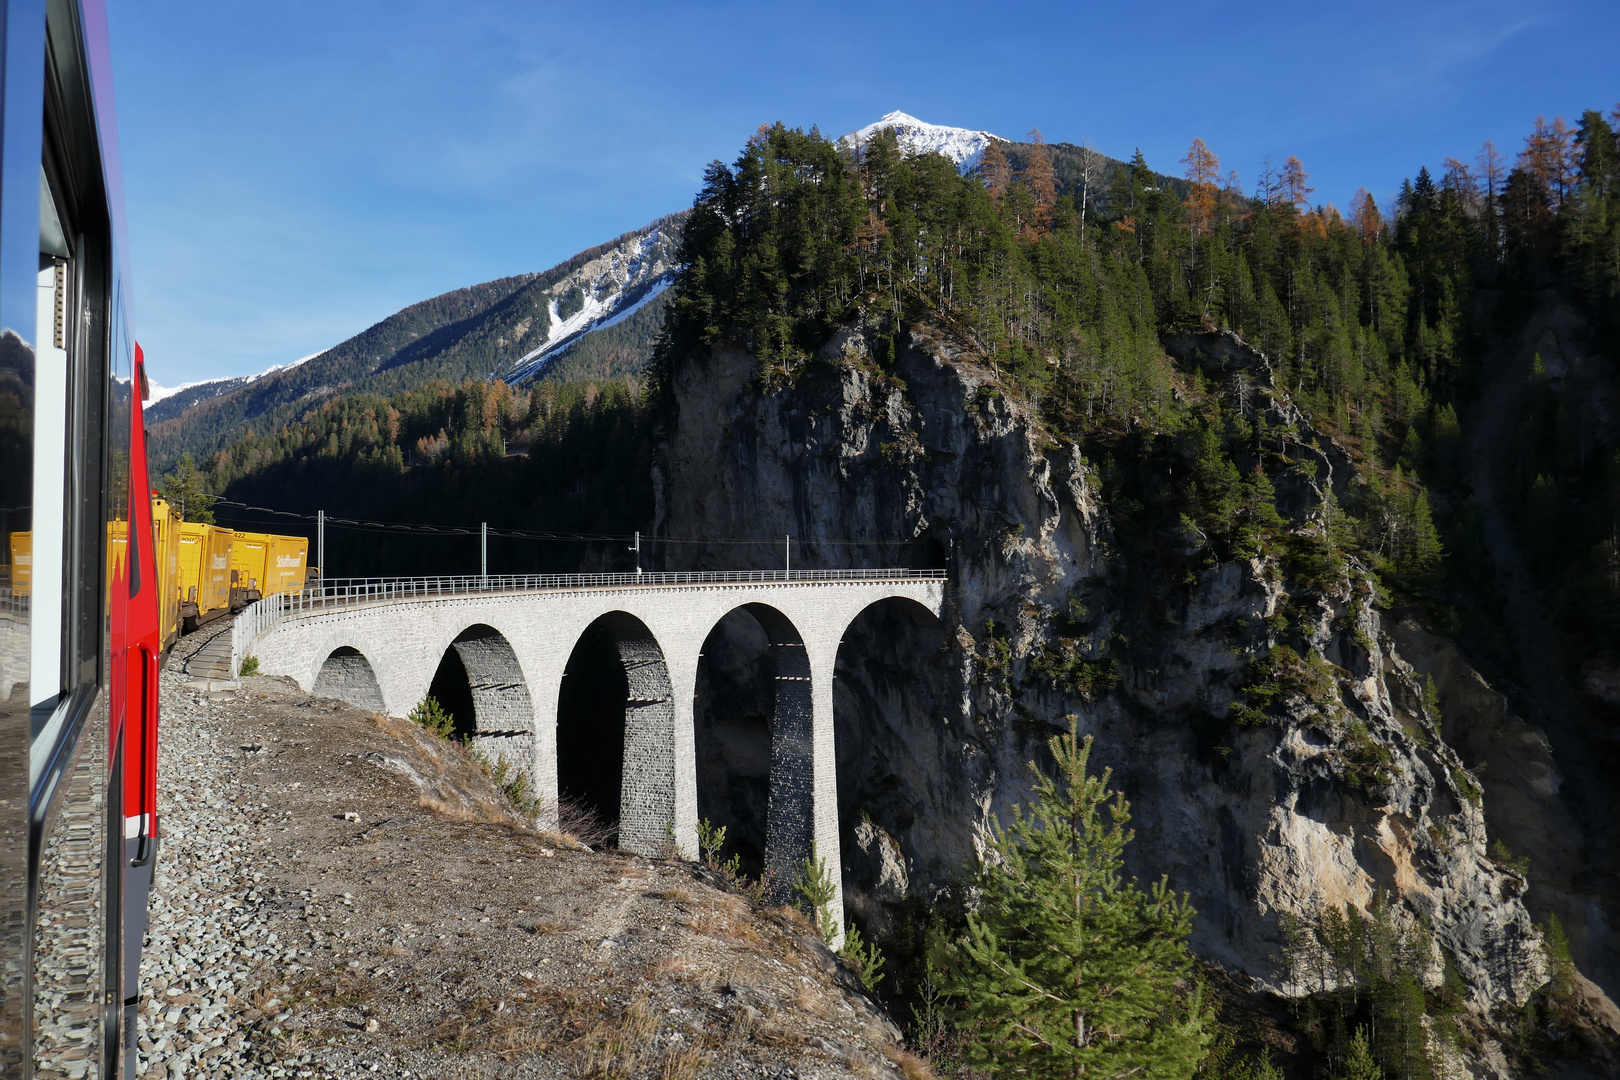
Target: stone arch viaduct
[378, 643]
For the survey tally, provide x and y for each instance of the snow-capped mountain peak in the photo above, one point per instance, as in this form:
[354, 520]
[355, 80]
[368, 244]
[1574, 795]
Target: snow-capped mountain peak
[228, 382]
[961, 145]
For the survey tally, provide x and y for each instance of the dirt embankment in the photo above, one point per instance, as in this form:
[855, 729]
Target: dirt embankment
[344, 895]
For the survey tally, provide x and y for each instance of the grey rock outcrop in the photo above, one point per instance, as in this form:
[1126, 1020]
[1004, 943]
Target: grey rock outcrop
[1345, 795]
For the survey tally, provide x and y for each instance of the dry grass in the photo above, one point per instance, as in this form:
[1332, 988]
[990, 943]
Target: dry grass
[706, 979]
[547, 926]
[811, 1003]
[619, 1046]
[914, 1067]
[675, 894]
[665, 967]
[472, 810]
[682, 1062]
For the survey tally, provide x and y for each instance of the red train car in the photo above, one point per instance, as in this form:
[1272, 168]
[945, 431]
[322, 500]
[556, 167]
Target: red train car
[79, 632]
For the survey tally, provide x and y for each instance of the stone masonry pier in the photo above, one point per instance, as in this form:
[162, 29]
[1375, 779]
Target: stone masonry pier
[377, 644]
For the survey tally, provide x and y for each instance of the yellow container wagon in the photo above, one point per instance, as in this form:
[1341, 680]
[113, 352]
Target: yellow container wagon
[205, 573]
[249, 552]
[267, 564]
[166, 546]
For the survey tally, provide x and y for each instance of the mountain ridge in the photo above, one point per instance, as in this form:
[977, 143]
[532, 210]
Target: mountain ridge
[593, 315]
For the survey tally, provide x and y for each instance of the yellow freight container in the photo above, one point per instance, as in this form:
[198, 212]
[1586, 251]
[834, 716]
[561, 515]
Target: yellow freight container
[166, 549]
[205, 572]
[267, 564]
[287, 566]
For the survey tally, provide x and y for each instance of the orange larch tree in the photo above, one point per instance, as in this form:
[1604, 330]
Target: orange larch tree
[1041, 180]
[1291, 188]
[995, 172]
[1203, 170]
[1364, 216]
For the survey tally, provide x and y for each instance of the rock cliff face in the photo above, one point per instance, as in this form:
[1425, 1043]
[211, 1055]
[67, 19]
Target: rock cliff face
[1059, 605]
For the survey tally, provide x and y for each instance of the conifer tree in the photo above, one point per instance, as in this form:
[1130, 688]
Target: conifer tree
[1359, 1063]
[187, 489]
[1068, 969]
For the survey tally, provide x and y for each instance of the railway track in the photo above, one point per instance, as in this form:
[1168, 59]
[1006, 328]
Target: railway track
[204, 656]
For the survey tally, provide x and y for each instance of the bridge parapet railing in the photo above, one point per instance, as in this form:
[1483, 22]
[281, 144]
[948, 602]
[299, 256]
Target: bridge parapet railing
[257, 618]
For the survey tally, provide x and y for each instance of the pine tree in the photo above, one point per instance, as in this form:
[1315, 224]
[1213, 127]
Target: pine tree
[1359, 1063]
[1560, 965]
[187, 489]
[1067, 969]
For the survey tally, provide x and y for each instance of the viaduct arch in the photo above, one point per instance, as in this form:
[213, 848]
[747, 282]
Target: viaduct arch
[518, 651]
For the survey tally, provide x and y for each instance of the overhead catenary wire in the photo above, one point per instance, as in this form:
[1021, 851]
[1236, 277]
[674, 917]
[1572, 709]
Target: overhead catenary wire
[402, 527]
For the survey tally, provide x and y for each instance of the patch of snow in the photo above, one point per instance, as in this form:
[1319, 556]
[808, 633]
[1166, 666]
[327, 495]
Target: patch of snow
[161, 392]
[606, 282]
[646, 298]
[961, 145]
[287, 367]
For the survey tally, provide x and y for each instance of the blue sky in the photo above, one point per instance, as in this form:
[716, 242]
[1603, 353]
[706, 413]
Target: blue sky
[297, 171]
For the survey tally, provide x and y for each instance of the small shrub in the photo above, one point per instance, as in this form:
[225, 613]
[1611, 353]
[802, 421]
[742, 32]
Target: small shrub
[1466, 786]
[1281, 675]
[1067, 668]
[431, 715]
[250, 665]
[1503, 855]
[711, 840]
[815, 886]
[584, 824]
[1367, 761]
[863, 957]
[997, 653]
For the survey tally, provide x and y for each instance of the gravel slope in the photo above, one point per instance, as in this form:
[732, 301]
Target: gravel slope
[343, 895]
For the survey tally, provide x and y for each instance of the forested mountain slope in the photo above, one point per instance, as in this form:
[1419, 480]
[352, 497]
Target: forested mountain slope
[519, 328]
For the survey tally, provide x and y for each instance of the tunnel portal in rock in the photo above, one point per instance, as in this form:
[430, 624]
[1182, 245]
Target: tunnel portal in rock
[891, 684]
[346, 674]
[616, 731]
